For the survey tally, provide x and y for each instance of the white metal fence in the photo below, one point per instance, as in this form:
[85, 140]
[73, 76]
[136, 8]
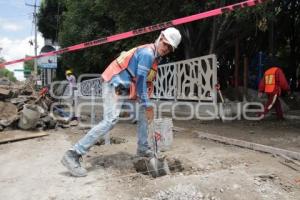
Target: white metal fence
[192, 79]
[85, 87]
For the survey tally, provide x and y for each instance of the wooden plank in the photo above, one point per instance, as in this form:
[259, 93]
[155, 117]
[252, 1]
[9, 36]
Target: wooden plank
[17, 136]
[249, 145]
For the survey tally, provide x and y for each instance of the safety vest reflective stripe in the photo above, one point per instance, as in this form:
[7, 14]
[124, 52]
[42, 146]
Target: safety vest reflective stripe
[124, 58]
[121, 63]
[270, 80]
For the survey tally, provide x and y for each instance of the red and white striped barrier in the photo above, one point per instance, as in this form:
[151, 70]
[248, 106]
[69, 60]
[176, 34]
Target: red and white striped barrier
[144, 30]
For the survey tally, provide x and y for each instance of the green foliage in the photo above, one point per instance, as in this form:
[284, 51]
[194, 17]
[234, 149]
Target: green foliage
[8, 74]
[28, 68]
[49, 18]
[86, 20]
[2, 60]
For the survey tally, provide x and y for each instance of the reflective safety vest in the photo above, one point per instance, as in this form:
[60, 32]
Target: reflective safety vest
[269, 78]
[121, 63]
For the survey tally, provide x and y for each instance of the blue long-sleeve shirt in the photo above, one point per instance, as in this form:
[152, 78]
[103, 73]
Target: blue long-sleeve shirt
[139, 66]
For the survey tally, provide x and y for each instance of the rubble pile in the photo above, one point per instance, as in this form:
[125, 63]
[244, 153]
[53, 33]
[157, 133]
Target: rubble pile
[22, 107]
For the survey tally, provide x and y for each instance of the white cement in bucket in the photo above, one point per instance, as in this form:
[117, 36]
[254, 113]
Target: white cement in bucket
[163, 127]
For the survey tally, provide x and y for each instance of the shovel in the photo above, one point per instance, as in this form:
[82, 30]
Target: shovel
[226, 108]
[158, 166]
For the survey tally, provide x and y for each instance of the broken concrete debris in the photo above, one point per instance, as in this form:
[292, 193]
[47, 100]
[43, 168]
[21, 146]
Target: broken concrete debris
[8, 114]
[21, 107]
[29, 116]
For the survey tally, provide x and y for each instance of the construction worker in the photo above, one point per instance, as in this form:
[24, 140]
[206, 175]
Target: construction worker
[273, 84]
[131, 75]
[72, 84]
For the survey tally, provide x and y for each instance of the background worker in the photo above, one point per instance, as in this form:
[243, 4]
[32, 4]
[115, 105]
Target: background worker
[72, 84]
[130, 75]
[273, 84]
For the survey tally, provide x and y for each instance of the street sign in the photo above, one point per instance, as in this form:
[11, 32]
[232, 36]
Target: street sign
[22, 70]
[49, 62]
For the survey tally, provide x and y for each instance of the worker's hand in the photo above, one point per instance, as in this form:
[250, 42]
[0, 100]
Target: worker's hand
[149, 114]
[260, 94]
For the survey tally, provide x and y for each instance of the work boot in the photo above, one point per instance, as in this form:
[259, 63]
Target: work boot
[71, 161]
[147, 153]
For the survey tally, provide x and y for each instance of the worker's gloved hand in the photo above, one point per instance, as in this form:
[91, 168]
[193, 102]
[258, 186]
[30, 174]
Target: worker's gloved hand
[149, 114]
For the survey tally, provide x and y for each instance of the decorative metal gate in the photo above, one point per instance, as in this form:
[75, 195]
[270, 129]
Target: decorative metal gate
[192, 79]
[85, 87]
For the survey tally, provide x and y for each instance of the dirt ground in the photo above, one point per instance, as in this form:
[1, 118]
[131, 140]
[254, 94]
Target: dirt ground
[31, 169]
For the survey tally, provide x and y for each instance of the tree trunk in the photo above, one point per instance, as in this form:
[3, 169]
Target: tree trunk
[245, 91]
[213, 36]
[293, 63]
[237, 63]
[187, 42]
[271, 38]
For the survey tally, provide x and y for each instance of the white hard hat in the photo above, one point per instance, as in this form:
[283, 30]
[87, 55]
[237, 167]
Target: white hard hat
[173, 37]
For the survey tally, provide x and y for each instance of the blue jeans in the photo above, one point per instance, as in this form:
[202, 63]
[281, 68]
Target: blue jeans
[112, 104]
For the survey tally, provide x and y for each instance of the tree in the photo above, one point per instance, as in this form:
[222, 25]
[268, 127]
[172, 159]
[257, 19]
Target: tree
[287, 35]
[87, 20]
[6, 73]
[2, 60]
[50, 18]
[271, 27]
[28, 67]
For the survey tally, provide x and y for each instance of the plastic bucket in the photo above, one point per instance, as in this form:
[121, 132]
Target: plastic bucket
[163, 128]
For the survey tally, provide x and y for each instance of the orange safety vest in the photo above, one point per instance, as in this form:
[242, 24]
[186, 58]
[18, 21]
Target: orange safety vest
[269, 78]
[121, 63]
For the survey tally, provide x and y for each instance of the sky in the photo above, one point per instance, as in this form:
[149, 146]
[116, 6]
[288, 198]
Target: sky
[16, 30]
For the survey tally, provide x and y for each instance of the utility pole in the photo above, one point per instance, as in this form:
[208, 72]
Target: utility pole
[35, 36]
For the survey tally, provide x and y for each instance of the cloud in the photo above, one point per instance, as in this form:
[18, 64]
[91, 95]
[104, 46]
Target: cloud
[7, 25]
[13, 49]
[11, 27]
